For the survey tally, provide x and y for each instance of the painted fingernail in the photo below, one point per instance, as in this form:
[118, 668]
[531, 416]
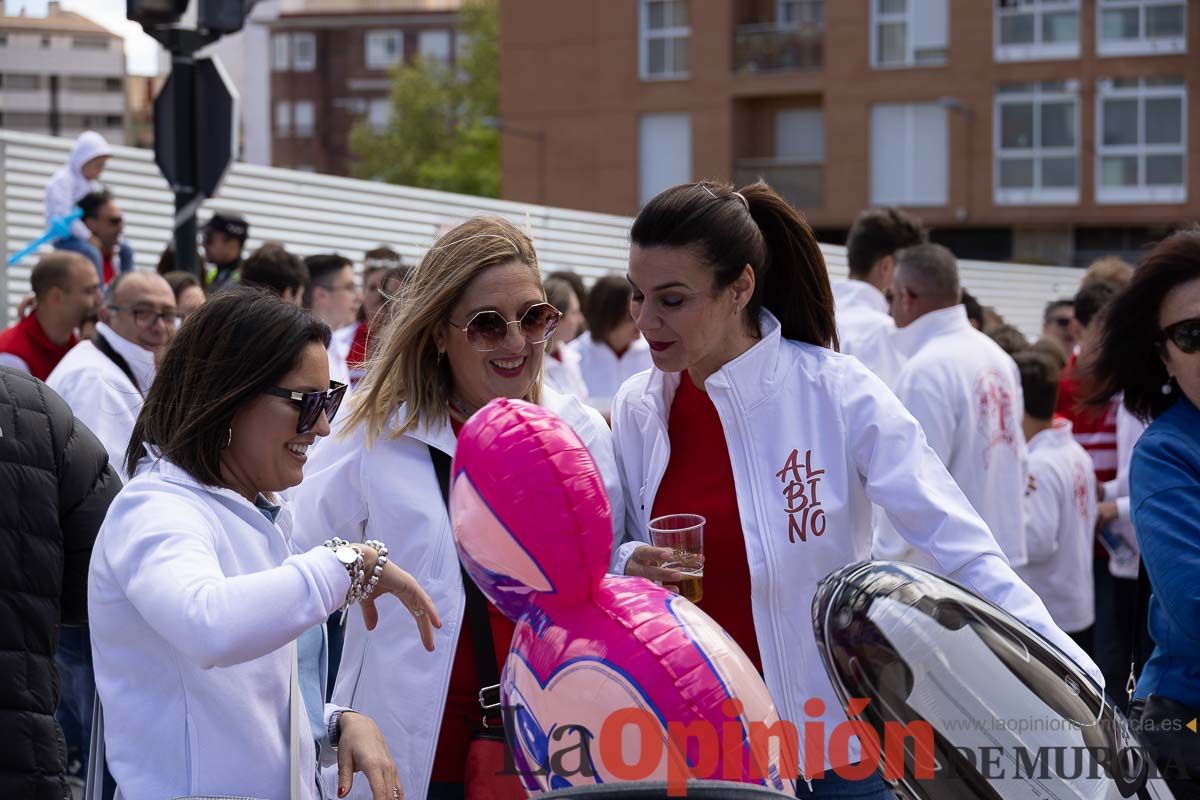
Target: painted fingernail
[342, 791]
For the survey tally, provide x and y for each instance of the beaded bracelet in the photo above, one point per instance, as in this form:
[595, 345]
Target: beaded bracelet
[373, 581]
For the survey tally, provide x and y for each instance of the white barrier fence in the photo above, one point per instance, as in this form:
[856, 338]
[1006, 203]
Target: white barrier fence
[312, 213]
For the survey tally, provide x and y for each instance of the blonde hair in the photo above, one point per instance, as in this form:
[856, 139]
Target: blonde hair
[406, 367]
[1109, 269]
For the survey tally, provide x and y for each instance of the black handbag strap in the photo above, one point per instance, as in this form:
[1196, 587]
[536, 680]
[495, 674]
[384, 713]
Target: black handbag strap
[476, 613]
[104, 347]
[1135, 635]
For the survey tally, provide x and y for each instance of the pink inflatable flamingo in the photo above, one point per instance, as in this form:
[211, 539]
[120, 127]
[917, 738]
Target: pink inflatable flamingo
[608, 678]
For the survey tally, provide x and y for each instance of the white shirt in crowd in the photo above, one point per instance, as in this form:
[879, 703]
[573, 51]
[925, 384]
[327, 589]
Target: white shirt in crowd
[100, 394]
[563, 374]
[966, 393]
[339, 350]
[1060, 521]
[814, 439]
[603, 373]
[865, 328]
[1124, 564]
[390, 492]
[194, 601]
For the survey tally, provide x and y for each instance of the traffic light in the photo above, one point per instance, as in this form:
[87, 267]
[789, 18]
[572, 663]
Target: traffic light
[224, 16]
[151, 13]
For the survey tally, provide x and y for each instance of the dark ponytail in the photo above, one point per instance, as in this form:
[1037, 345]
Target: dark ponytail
[753, 226]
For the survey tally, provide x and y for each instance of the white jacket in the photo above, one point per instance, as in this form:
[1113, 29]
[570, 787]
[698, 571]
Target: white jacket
[966, 394]
[603, 373]
[1060, 523]
[865, 328]
[1129, 430]
[389, 491]
[564, 376]
[806, 423]
[339, 350]
[99, 392]
[68, 186]
[194, 599]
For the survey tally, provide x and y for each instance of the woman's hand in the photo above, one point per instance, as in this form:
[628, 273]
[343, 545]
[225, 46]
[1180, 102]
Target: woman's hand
[362, 748]
[646, 562]
[405, 587]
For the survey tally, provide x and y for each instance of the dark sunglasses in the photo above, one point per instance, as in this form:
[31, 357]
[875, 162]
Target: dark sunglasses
[311, 404]
[1062, 322]
[487, 330]
[1185, 334]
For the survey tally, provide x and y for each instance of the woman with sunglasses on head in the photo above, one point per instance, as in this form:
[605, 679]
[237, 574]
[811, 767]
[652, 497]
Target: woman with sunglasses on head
[1149, 353]
[473, 327]
[206, 621]
[751, 419]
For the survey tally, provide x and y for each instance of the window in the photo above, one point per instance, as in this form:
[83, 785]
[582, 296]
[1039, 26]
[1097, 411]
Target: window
[3, 40]
[384, 49]
[1037, 143]
[798, 13]
[800, 135]
[909, 155]
[665, 39]
[1141, 134]
[379, 113]
[91, 84]
[283, 118]
[303, 118]
[89, 43]
[909, 33]
[281, 56]
[20, 82]
[1141, 27]
[304, 52]
[1036, 29]
[664, 153]
[434, 46]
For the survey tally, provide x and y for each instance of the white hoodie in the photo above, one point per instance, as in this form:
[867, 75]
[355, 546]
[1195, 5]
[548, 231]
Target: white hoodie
[814, 438]
[68, 186]
[865, 328]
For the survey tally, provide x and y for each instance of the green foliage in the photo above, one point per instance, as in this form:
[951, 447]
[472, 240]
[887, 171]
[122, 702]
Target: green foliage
[436, 137]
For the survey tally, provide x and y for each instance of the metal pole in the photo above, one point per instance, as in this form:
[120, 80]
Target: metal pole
[183, 67]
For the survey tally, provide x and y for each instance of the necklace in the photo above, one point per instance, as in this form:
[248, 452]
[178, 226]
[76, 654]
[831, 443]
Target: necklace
[459, 409]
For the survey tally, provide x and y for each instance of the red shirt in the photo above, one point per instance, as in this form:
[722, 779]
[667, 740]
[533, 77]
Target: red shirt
[27, 340]
[699, 480]
[462, 714]
[109, 271]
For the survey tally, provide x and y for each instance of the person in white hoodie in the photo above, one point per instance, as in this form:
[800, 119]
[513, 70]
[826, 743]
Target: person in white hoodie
[472, 327]
[864, 325]
[73, 181]
[563, 373]
[752, 419]
[612, 350]
[965, 392]
[206, 620]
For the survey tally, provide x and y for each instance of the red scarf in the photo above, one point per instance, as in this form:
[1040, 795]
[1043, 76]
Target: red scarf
[27, 340]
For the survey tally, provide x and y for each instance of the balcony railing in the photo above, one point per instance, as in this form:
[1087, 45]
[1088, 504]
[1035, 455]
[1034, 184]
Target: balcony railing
[779, 47]
[800, 183]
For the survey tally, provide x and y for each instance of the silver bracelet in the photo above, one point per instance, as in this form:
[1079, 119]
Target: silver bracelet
[377, 573]
[352, 560]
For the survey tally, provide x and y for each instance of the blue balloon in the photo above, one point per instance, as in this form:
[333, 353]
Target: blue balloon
[60, 228]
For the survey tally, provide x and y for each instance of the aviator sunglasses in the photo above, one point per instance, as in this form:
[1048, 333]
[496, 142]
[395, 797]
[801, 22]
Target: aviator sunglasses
[487, 330]
[311, 404]
[1185, 334]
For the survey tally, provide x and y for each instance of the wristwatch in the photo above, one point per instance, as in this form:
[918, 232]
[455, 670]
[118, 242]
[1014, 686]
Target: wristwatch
[334, 730]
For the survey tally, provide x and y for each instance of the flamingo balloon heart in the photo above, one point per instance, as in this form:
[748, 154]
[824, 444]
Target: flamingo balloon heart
[608, 678]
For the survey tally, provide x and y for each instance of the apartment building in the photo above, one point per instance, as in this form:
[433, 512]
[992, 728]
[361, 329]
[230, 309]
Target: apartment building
[331, 67]
[1044, 130]
[61, 74]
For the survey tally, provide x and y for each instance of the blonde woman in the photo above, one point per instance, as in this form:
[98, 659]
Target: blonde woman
[472, 326]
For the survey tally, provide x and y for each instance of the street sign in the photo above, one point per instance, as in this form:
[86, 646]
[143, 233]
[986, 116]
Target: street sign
[216, 112]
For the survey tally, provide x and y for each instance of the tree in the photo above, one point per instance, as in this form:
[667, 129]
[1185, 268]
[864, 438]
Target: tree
[436, 136]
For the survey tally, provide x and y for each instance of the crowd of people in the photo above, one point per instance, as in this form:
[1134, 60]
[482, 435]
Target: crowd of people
[277, 433]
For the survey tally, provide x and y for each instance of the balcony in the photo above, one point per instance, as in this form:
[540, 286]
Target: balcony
[800, 182]
[795, 41]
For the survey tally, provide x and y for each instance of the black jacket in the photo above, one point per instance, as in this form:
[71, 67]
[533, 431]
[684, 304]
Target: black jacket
[55, 487]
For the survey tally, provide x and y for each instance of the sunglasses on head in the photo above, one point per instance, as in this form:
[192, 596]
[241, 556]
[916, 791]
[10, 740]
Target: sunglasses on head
[311, 404]
[1185, 334]
[487, 330]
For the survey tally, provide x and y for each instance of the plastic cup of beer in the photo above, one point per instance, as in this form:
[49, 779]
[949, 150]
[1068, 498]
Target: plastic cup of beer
[683, 535]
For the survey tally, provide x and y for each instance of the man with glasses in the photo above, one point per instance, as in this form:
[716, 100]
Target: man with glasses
[65, 291]
[1056, 324]
[333, 297]
[102, 217]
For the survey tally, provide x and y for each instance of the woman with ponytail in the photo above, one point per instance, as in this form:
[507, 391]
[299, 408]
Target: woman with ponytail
[752, 419]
